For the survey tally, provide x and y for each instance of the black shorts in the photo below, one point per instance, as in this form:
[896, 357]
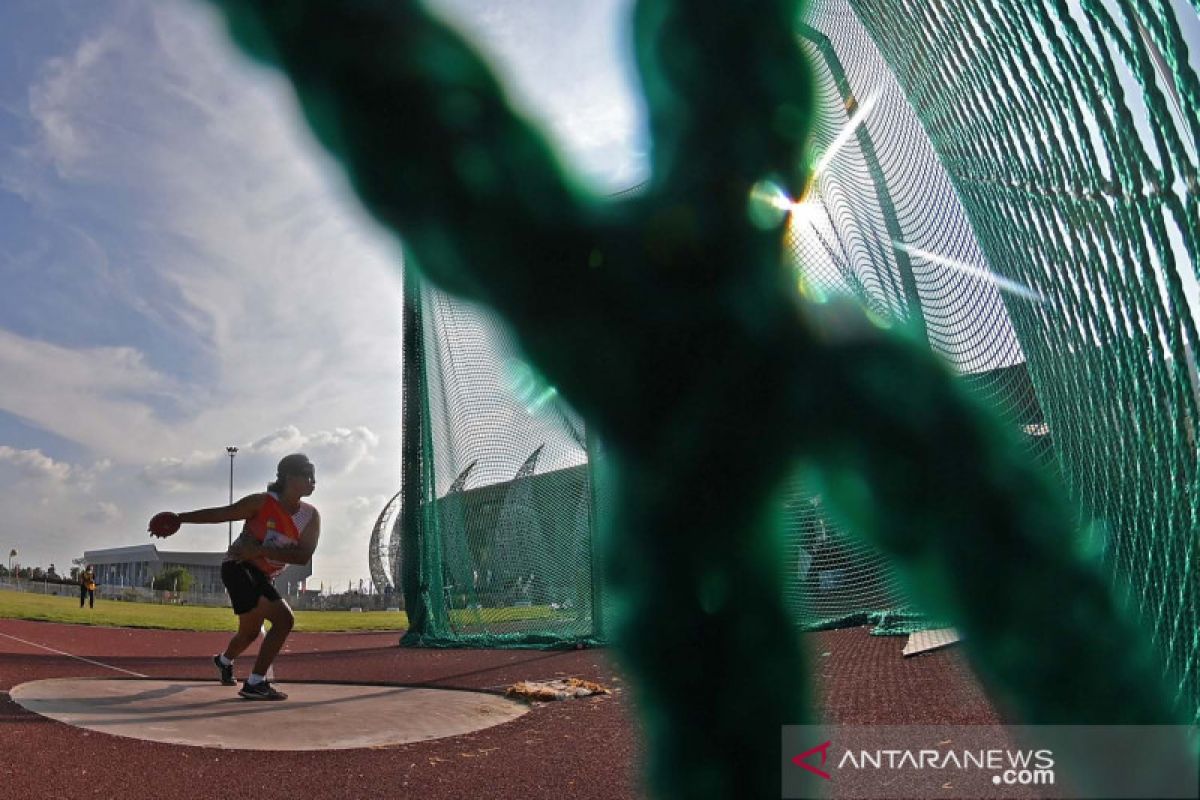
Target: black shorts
[245, 584]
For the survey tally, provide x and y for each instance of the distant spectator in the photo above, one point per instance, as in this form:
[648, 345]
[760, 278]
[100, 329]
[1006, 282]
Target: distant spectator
[87, 588]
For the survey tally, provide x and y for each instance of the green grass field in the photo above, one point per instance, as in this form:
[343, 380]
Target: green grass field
[48, 608]
[112, 613]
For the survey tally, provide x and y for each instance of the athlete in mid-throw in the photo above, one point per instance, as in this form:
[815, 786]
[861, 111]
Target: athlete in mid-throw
[280, 529]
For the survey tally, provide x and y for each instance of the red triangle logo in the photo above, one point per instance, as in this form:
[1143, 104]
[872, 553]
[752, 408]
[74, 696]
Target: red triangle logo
[823, 749]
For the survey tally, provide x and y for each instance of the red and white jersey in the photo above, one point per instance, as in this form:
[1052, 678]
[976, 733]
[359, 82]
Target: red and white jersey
[272, 525]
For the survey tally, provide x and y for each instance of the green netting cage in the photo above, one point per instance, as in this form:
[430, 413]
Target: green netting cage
[1015, 181]
[492, 538]
[1048, 149]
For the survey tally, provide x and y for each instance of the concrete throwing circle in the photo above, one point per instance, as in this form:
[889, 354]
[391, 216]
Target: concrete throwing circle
[316, 716]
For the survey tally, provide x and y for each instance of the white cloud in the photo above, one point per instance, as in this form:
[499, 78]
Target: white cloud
[336, 454]
[102, 512]
[33, 465]
[216, 284]
[366, 503]
[54, 101]
[97, 396]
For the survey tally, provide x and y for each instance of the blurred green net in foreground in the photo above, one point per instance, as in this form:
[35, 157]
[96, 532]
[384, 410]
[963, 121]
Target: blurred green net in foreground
[670, 322]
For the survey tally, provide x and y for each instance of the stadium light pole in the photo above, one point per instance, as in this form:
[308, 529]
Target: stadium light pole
[232, 451]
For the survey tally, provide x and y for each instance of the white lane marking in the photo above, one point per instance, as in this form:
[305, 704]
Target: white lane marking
[69, 655]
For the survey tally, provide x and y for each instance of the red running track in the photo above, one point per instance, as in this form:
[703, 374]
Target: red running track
[579, 749]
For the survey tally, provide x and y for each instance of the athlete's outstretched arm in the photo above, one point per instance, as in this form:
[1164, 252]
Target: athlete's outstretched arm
[245, 508]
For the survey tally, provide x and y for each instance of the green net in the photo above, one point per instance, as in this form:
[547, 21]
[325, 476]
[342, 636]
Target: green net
[881, 201]
[502, 537]
[1054, 145]
[1045, 145]
[1067, 133]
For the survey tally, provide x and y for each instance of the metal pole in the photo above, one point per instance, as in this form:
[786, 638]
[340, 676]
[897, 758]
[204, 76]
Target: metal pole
[232, 452]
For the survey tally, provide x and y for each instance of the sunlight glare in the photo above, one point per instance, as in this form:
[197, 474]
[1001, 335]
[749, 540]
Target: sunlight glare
[1001, 283]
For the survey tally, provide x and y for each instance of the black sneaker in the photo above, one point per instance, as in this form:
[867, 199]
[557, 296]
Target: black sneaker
[262, 690]
[226, 673]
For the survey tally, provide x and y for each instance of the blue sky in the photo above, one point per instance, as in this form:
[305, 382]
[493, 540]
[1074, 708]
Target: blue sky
[184, 270]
